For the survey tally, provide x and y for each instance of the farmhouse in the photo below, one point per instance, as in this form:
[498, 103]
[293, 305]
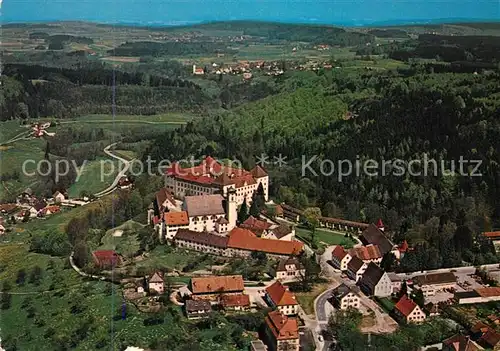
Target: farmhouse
[239, 243]
[280, 298]
[268, 229]
[156, 283]
[282, 332]
[460, 343]
[374, 236]
[375, 281]
[355, 268]
[235, 302]
[369, 253]
[345, 296]
[430, 283]
[197, 308]
[211, 177]
[213, 288]
[289, 269]
[58, 197]
[106, 258]
[408, 311]
[340, 258]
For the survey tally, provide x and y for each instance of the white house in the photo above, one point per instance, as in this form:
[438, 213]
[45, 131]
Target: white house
[375, 282]
[289, 269]
[356, 268]
[156, 283]
[280, 298]
[406, 309]
[345, 297]
[340, 258]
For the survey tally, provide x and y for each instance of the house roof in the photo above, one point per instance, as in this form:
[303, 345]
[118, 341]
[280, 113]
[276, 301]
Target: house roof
[278, 210]
[8, 208]
[492, 235]
[39, 204]
[380, 224]
[239, 300]
[258, 172]
[289, 261]
[405, 305]
[462, 343]
[176, 218]
[365, 253]
[282, 230]
[244, 239]
[222, 220]
[202, 205]
[373, 235]
[202, 238]
[106, 257]
[372, 275]
[491, 338]
[280, 295]
[394, 277]
[156, 277]
[343, 290]
[254, 223]
[163, 195]
[217, 284]
[435, 278]
[258, 345]
[339, 252]
[198, 305]
[403, 247]
[488, 292]
[282, 327]
[355, 264]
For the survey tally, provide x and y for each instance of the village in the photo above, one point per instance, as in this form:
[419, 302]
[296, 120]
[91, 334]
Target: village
[226, 212]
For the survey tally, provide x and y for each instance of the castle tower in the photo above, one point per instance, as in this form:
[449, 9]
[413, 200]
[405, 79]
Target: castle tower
[231, 211]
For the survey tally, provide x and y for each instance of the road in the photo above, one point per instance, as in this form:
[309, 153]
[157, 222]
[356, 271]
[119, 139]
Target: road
[120, 174]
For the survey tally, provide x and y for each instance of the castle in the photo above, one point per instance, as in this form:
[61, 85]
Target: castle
[210, 177]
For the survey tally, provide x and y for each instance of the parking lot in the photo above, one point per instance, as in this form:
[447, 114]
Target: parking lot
[465, 282]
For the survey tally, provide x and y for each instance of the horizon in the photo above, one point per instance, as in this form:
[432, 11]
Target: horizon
[353, 13]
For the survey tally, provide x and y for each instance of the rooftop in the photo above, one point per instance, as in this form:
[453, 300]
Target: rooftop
[405, 305]
[176, 218]
[244, 239]
[217, 284]
[203, 238]
[280, 295]
[203, 205]
[281, 326]
[435, 278]
[197, 305]
[373, 235]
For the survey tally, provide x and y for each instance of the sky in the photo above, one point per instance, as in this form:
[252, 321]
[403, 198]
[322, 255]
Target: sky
[172, 12]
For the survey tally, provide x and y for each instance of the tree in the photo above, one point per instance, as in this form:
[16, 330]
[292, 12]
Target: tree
[22, 111]
[35, 275]
[254, 208]
[403, 290]
[388, 262]
[312, 216]
[21, 277]
[417, 295]
[81, 254]
[243, 212]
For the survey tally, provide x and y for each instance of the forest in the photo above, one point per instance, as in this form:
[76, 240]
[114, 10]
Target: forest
[407, 115]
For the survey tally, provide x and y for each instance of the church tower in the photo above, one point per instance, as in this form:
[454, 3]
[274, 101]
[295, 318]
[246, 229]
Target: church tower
[231, 210]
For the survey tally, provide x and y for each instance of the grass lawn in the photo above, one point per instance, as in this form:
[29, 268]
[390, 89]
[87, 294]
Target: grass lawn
[324, 238]
[126, 154]
[165, 256]
[386, 303]
[96, 176]
[127, 244]
[306, 300]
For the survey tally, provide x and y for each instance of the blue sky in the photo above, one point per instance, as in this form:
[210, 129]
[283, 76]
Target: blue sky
[185, 11]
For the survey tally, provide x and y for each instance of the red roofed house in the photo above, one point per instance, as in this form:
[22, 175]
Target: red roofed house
[216, 287]
[211, 177]
[340, 258]
[494, 237]
[280, 298]
[282, 332]
[368, 253]
[239, 302]
[406, 309]
[106, 258]
[172, 222]
[242, 242]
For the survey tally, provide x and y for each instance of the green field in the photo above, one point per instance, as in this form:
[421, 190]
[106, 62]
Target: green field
[324, 238]
[127, 244]
[96, 176]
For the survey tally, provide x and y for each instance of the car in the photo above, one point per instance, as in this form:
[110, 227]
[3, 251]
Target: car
[320, 338]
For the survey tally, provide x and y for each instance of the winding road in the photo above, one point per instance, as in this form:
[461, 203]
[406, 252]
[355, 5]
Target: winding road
[120, 174]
